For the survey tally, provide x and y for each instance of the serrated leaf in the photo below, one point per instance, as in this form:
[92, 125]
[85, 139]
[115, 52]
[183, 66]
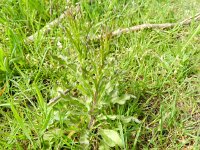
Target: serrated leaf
[111, 137]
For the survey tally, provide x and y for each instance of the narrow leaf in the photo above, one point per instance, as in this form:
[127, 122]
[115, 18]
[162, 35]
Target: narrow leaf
[40, 98]
[2, 60]
[20, 121]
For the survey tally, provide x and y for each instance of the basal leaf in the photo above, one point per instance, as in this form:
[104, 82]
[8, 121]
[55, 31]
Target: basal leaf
[111, 137]
[121, 100]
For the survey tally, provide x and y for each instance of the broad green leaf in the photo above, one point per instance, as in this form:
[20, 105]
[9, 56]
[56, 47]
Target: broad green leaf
[121, 100]
[111, 137]
[130, 119]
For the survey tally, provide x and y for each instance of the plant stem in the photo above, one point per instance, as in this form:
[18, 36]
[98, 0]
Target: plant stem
[91, 113]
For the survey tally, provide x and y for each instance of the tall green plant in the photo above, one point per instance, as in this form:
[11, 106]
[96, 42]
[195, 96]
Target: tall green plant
[99, 90]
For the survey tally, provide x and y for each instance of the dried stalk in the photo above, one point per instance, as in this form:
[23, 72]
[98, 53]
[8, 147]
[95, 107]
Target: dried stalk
[55, 99]
[120, 31]
[49, 26]
[189, 20]
[117, 32]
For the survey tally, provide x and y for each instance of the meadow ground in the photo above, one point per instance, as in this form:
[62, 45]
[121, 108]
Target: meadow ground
[134, 91]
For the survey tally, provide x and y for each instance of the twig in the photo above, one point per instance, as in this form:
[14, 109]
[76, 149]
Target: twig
[189, 20]
[46, 28]
[117, 32]
[55, 99]
[52, 24]
[147, 26]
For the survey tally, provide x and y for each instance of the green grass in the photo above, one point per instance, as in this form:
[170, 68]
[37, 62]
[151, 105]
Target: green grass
[135, 91]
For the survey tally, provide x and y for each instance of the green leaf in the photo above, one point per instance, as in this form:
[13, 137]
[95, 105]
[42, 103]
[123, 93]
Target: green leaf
[108, 88]
[2, 68]
[20, 120]
[121, 100]
[84, 139]
[111, 137]
[40, 98]
[130, 119]
[103, 146]
[53, 133]
[62, 60]
[47, 121]
[124, 119]
[7, 104]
